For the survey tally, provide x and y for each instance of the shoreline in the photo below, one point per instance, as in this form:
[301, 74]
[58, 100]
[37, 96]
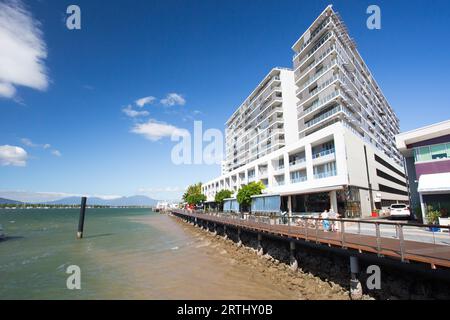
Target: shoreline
[301, 285]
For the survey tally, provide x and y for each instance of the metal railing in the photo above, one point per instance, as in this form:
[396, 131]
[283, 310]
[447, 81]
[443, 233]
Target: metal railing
[411, 241]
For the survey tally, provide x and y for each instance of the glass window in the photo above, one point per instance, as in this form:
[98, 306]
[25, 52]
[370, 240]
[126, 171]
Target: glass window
[438, 151]
[423, 154]
[448, 149]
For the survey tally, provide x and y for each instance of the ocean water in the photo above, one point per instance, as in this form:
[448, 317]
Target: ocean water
[125, 254]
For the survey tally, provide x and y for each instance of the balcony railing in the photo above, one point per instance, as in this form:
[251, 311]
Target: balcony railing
[323, 153]
[320, 103]
[325, 174]
[316, 46]
[297, 161]
[318, 74]
[299, 73]
[279, 183]
[323, 116]
[298, 179]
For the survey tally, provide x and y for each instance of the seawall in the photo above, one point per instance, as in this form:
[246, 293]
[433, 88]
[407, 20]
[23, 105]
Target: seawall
[331, 267]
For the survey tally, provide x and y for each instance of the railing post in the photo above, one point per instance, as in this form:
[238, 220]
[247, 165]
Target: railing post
[260, 251]
[402, 242]
[377, 231]
[293, 260]
[239, 237]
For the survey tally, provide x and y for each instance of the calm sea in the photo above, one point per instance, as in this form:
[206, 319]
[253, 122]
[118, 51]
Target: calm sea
[125, 254]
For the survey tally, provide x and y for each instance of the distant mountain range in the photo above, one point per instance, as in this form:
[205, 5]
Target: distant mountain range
[119, 202]
[9, 201]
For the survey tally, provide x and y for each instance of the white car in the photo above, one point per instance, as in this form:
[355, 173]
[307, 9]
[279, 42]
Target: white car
[399, 210]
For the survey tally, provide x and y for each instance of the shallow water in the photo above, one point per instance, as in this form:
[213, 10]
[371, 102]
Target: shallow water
[126, 254]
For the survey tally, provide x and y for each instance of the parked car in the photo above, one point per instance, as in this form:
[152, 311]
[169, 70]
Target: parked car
[399, 211]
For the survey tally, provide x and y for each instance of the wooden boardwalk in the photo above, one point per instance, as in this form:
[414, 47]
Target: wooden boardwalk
[405, 250]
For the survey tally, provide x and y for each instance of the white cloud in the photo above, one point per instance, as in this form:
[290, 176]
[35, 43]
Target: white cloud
[28, 142]
[56, 153]
[129, 111]
[146, 100]
[154, 130]
[22, 50]
[173, 99]
[7, 90]
[13, 156]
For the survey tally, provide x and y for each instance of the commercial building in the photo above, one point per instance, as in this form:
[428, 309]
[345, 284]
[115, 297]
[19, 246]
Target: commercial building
[427, 157]
[319, 136]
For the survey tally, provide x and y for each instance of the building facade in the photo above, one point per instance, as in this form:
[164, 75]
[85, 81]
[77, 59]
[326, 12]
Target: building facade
[319, 136]
[427, 159]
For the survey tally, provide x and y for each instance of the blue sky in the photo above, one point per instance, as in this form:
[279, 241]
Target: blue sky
[209, 55]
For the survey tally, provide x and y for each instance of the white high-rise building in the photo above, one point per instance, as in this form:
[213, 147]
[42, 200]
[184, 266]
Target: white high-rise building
[320, 136]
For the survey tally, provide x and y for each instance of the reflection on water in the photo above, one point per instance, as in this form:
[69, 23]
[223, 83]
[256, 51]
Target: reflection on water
[125, 254]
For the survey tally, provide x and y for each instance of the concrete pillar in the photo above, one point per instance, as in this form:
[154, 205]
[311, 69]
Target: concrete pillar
[423, 207]
[293, 260]
[289, 205]
[260, 250]
[239, 243]
[215, 229]
[225, 232]
[333, 201]
[355, 284]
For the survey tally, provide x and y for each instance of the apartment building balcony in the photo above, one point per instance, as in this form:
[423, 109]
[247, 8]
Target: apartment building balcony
[325, 174]
[263, 172]
[304, 67]
[279, 180]
[319, 104]
[297, 164]
[324, 156]
[307, 95]
[298, 176]
[325, 170]
[323, 116]
[278, 170]
[313, 45]
[306, 78]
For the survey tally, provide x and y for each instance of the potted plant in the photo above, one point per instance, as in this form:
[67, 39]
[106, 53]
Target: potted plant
[433, 218]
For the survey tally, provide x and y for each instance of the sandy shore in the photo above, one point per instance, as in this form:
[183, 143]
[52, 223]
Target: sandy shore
[295, 285]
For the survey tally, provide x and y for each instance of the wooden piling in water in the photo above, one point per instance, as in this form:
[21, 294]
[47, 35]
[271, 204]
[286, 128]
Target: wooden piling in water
[81, 220]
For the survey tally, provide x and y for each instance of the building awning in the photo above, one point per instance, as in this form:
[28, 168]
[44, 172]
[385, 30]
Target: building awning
[311, 190]
[434, 183]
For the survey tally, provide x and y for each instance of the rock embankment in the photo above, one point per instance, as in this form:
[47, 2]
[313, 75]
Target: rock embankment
[320, 274]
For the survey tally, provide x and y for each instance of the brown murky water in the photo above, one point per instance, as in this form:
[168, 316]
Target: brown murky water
[137, 254]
